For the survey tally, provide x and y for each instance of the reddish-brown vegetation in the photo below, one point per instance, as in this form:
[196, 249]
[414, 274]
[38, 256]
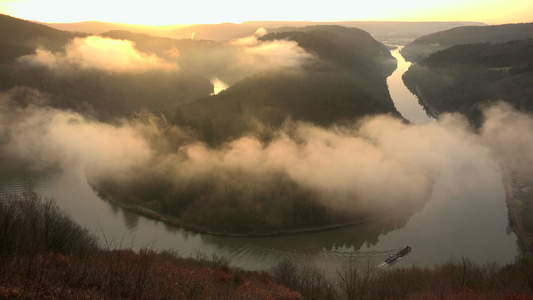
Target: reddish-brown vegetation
[128, 275]
[457, 279]
[45, 255]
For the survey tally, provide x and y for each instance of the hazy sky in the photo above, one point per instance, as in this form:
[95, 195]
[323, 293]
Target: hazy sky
[162, 12]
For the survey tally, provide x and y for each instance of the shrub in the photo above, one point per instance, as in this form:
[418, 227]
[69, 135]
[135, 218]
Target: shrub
[30, 225]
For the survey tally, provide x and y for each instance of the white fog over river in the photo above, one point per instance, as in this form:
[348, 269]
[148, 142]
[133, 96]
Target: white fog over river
[466, 216]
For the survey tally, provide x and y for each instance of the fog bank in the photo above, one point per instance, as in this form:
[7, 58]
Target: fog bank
[99, 53]
[376, 164]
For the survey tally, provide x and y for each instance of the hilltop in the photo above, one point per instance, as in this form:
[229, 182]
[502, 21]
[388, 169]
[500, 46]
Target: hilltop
[347, 80]
[26, 33]
[425, 45]
[228, 31]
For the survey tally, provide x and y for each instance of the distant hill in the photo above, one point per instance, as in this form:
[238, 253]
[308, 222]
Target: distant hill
[97, 27]
[380, 30]
[425, 45]
[101, 94]
[227, 31]
[462, 77]
[346, 80]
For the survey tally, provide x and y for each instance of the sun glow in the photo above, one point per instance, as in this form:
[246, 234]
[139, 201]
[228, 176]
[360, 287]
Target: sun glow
[161, 12]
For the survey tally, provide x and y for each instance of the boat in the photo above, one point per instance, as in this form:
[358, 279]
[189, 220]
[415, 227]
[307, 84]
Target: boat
[398, 254]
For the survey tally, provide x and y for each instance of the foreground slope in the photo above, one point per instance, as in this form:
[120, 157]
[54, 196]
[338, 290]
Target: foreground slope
[64, 262]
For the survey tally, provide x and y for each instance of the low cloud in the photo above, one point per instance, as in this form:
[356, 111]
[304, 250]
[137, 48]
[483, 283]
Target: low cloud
[234, 60]
[99, 53]
[276, 54]
[375, 164]
[509, 136]
[250, 40]
[51, 137]
[271, 54]
[218, 86]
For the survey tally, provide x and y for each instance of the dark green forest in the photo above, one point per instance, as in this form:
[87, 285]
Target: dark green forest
[464, 77]
[346, 82]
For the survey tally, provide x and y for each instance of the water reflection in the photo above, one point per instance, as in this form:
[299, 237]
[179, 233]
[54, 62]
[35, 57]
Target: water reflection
[120, 228]
[352, 237]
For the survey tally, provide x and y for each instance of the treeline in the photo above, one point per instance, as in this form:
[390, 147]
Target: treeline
[44, 254]
[463, 77]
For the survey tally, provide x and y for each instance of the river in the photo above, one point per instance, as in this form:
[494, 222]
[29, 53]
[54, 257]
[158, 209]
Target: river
[404, 100]
[462, 219]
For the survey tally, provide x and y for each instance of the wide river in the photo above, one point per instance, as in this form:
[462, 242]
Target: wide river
[462, 219]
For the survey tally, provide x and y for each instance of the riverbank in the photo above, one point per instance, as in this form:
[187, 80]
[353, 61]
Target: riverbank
[515, 219]
[154, 215]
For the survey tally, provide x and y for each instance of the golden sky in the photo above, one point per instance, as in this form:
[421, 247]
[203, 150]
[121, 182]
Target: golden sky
[166, 12]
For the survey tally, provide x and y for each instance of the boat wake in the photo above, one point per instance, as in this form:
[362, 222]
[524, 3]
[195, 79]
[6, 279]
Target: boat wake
[398, 255]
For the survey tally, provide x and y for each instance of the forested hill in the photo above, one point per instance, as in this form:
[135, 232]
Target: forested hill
[341, 74]
[324, 75]
[462, 77]
[317, 76]
[37, 57]
[20, 37]
[351, 47]
[347, 80]
[423, 46]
